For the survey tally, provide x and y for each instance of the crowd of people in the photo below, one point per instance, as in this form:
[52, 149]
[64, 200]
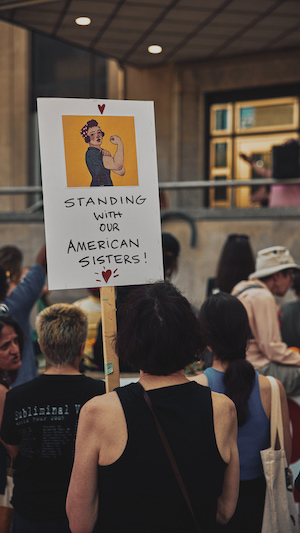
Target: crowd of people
[171, 452]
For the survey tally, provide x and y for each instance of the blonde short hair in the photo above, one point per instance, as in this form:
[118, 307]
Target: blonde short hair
[62, 328]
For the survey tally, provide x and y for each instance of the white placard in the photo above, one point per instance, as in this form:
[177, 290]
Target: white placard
[100, 235]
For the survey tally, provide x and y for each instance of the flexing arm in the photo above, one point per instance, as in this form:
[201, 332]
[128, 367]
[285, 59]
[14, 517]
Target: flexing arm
[116, 162]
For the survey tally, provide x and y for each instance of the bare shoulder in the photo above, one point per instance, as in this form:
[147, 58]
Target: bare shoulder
[101, 400]
[200, 378]
[265, 394]
[225, 424]
[101, 407]
[223, 406]
[221, 400]
[264, 384]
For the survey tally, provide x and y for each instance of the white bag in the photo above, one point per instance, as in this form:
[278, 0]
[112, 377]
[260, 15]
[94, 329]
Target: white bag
[280, 512]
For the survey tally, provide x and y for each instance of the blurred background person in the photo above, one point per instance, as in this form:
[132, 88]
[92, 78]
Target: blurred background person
[270, 356]
[235, 263]
[278, 195]
[92, 308]
[11, 260]
[290, 317]
[171, 251]
[224, 322]
[170, 254]
[20, 303]
[119, 453]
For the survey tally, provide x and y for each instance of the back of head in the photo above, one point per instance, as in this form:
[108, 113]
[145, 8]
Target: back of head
[224, 322]
[171, 251]
[236, 262]
[62, 329]
[11, 259]
[159, 332]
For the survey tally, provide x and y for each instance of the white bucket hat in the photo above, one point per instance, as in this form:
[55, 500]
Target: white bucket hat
[271, 260]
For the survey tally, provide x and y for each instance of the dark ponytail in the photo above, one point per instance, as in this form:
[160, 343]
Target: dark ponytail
[239, 380]
[224, 322]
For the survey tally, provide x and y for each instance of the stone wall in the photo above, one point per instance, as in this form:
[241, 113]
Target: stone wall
[14, 68]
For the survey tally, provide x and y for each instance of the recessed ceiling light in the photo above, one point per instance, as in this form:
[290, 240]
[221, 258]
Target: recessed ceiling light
[154, 49]
[83, 21]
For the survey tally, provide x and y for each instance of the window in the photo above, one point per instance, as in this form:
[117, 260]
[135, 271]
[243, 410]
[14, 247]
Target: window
[251, 127]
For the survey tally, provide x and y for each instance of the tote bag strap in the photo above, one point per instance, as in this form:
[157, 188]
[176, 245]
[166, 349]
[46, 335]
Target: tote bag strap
[276, 414]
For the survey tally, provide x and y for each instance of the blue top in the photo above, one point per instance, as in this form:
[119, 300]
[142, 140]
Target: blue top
[20, 302]
[254, 435]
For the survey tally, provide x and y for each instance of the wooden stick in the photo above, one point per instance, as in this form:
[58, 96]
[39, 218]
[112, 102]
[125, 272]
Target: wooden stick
[109, 330]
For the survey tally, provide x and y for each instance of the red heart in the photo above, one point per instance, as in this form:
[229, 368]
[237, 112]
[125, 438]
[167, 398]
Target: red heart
[101, 108]
[106, 275]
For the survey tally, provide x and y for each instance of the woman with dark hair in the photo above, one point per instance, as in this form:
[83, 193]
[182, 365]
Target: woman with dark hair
[11, 345]
[235, 264]
[171, 251]
[224, 322]
[120, 461]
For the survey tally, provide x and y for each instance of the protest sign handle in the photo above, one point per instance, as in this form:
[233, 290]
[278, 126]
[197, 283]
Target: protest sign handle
[109, 329]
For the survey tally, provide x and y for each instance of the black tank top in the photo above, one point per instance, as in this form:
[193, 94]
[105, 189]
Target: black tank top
[139, 492]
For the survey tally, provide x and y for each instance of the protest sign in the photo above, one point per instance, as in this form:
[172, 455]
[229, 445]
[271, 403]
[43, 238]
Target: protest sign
[100, 188]
[101, 203]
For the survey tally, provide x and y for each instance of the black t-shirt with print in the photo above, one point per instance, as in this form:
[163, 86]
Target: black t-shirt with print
[41, 417]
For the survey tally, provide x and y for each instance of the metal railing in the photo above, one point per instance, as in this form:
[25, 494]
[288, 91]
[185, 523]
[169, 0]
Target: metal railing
[226, 183]
[34, 212]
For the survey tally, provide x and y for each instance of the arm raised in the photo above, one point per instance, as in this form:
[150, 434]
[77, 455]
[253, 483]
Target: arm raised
[116, 162]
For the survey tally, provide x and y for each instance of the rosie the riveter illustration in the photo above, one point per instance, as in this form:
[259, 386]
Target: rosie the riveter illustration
[98, 160]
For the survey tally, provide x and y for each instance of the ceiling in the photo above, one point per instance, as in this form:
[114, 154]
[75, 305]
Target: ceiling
[187, 30]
